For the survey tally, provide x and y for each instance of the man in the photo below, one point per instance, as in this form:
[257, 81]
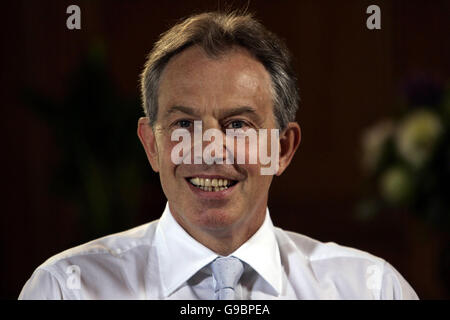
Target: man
[218, 74]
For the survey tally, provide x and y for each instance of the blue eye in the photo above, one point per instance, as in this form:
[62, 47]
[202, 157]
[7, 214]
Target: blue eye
[184, 123]
[236, 124]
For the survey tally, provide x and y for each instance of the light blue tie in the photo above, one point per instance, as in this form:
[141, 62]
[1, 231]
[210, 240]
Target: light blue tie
[227, 272]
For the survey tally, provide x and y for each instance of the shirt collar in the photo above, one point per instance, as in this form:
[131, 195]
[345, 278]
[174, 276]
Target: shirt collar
[181, 256]
[261, 252]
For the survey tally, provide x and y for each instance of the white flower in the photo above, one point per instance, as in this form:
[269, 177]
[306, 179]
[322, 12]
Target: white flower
[417, 135]
[396, 185]
[373, 141]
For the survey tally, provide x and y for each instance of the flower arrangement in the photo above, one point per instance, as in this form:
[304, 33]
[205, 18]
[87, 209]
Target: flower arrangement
[406, 159]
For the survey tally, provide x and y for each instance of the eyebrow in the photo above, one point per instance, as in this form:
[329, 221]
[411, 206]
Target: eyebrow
[224, 114]
[183, 109]
[240, 110]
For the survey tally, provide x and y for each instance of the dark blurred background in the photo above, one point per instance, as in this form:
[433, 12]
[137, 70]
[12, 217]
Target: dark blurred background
[73, 169]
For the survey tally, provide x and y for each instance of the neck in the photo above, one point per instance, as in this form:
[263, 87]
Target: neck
[228, 239]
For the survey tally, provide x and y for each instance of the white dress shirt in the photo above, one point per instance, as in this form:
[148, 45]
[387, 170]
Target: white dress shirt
[160, 260]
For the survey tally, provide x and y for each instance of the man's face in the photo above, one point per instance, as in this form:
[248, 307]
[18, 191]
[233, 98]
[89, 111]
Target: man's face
[229, 92]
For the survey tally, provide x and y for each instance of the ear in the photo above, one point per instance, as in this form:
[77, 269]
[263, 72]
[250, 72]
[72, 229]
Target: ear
[289, 142]
[148, 140]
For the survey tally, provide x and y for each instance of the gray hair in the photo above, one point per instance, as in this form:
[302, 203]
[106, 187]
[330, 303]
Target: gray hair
[216, 33]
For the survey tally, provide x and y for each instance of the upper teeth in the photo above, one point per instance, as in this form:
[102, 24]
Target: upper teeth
[210, 182]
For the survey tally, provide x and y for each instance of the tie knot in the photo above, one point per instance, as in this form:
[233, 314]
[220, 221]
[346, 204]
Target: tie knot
[227, 272]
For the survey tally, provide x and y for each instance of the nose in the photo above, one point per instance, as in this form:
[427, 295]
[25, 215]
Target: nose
[209, 142]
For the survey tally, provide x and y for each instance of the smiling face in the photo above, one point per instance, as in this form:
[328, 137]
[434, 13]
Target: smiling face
[228, 92]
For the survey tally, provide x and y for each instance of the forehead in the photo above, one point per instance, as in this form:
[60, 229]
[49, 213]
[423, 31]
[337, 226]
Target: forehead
[195, 79]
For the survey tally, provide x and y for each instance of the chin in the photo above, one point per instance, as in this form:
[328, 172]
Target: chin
[216, 219]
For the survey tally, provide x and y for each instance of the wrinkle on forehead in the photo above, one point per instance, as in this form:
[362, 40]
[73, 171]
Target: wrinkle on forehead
[232, 78]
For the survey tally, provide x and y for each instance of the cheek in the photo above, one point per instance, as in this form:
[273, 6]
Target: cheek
[167, 167]
[165, 146]
[260, 152]
[256, 182]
